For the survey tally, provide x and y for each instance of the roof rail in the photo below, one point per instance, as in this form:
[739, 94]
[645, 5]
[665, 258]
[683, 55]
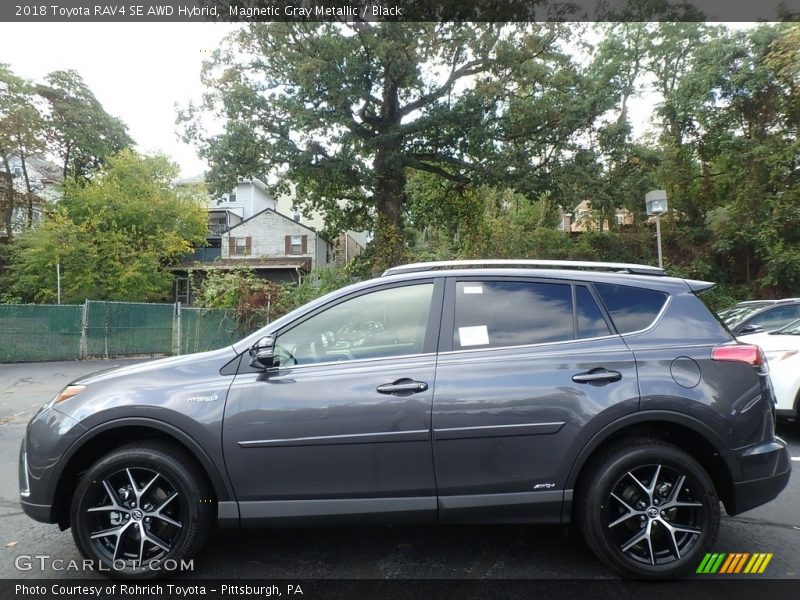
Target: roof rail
[526, 263]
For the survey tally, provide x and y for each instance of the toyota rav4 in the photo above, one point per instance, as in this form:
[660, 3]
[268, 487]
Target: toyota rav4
[601, 394]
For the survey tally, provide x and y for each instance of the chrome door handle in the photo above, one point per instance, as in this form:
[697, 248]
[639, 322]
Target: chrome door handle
[597, 376]
[402, 386]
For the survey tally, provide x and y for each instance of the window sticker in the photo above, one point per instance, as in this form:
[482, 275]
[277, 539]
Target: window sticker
[473, 336]
[473, 289]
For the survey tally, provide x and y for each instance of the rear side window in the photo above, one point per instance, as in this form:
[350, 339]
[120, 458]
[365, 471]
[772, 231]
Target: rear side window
[491, 314]
[631, 308]
[590, 320]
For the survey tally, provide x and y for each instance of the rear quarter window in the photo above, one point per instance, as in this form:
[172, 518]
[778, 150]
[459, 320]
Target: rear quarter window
[631, 308]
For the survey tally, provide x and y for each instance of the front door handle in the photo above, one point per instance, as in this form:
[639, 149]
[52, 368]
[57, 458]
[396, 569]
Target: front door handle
[598, 376]
[402, 386]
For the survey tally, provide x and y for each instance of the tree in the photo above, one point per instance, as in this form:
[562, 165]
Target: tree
[112, 236]
[21, 136]
[81, 133]
[348, 111]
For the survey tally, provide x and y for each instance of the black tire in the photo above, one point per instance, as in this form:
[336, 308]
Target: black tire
[166, 517]
[615, 507]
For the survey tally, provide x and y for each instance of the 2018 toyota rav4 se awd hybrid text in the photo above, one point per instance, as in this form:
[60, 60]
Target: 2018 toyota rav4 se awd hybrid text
[602, 394]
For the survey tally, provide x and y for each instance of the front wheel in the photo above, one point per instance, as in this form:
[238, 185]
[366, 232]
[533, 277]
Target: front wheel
[648, 509]
[141, 509]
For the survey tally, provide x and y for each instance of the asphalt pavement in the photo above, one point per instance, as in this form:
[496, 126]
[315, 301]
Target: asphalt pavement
[418, 552]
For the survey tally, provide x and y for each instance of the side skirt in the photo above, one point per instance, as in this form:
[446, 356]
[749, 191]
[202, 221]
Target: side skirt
[546, 507]
[346, 511]
[520, 507]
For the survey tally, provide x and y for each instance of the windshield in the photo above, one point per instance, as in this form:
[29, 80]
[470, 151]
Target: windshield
[792, 328]
[733, 315]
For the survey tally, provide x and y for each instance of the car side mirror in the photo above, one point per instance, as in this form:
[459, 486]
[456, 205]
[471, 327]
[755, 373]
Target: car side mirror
[750, 329]
[262, 353]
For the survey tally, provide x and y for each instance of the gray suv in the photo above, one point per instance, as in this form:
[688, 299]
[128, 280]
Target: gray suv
[601, 394]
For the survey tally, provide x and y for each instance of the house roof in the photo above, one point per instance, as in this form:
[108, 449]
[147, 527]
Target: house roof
[266, 210]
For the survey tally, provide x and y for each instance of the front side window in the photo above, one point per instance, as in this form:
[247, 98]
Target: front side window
[492, 314]
[380, 324]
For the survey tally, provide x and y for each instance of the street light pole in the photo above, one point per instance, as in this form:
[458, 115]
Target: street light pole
[658, 241]
[656, 205]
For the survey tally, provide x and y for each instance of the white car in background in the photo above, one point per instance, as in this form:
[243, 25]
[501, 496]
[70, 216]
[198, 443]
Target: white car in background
[782, 349]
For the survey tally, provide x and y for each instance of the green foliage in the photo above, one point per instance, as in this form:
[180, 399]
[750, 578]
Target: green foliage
[257, 301]
[22, 131]
[81, 133]
[350, 112]
[112, 236]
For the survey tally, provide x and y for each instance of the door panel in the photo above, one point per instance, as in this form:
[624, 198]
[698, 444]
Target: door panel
[345, 413]
[324, 431]
[505, 419]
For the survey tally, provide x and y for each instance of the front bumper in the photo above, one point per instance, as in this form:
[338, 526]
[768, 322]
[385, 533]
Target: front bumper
[41, 459]
[38, 512]
[766, 468]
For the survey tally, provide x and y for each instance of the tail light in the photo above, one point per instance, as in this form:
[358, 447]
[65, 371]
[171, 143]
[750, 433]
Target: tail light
[743, 353]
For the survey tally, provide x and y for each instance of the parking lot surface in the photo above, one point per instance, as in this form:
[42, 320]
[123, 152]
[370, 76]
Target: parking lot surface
[419, 552]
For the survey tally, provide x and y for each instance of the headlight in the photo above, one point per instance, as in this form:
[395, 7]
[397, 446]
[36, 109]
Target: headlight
[67, 393]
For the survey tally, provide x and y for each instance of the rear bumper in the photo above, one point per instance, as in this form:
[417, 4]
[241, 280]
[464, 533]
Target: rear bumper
[767, 468]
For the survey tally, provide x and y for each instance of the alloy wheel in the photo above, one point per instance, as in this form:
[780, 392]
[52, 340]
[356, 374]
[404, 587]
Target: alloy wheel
[135, 517]
[653, 514]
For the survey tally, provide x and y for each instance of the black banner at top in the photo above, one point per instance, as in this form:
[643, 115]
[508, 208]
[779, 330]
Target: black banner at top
[396, 10]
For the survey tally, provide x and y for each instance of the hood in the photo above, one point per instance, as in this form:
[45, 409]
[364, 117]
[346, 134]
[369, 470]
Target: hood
[155, 365]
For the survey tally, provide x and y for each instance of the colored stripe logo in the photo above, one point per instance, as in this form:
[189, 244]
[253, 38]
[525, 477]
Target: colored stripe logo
[734, 562]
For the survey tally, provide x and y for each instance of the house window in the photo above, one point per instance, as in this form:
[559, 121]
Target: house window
[240, 246]
[296, 244]
[619, 218]
[231, 197]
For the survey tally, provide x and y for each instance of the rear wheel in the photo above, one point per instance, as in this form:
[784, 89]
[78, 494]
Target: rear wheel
[141, 507]
[648, 509]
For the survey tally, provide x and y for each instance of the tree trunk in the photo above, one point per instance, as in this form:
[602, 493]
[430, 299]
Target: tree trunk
[28, 190]
[390, 188]
[7, 190]
[391, 197]
[65, 170]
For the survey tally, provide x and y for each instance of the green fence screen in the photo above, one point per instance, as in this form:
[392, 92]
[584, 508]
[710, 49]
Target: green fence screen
[128, 328]
[35, 332]
[31, 332]
[207, 329]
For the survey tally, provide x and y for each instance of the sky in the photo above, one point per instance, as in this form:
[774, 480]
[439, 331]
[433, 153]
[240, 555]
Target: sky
[137, 72]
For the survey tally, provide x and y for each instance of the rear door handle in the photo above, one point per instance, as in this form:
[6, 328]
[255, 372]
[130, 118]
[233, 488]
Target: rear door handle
[597, 376]
[402, 386]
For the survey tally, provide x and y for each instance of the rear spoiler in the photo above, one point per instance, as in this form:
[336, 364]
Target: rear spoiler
[698, 287]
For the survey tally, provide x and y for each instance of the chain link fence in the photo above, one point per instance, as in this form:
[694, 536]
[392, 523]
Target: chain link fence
[203, 328]
[34, 332]
[31, 332]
